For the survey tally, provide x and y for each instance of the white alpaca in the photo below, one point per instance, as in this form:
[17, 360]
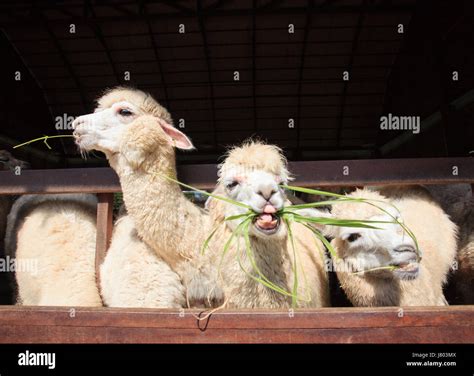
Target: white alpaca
[132, 275]
[457, 201]
[54, 237]
[7, 163]
[136, 135]
[252, 174]
[413, 282]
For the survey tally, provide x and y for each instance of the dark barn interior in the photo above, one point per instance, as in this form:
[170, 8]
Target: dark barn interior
[401, 57]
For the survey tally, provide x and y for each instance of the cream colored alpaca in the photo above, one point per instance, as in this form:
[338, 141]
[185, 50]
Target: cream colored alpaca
[137, 137]
[457, 201]
[251, 174]
[7, 163]
[414, 283]
[54, 236]
[132, 275]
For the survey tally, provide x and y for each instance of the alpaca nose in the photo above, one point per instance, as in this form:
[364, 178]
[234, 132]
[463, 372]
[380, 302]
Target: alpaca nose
[79, 126]
[405, 248]
[267, 191]
[78, 121]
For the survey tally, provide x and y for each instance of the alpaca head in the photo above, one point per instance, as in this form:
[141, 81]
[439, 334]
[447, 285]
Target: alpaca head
[119, 113]
[9, 162]
[364, 248]
[252, 174]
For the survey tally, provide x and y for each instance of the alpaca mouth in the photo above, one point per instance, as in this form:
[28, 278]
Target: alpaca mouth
[407, 270]
[407, 266]
[267, 223]
[82, 142]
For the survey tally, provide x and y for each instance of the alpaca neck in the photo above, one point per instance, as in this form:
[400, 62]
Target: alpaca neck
[370, 291]
[366, 291]
[273, 261]
[164, 218]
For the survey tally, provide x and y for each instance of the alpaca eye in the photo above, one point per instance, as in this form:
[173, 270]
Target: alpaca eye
[353, 237]
[232, 184]
[125, 112]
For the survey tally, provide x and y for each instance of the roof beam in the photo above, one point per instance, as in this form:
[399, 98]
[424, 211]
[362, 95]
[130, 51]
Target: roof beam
[254, 64]
[202, 28]
[307, 27]
[355, 43]
[99, 35]
[144, 11]
[218, 12]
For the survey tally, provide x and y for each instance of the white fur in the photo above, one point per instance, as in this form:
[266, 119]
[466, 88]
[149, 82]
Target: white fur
[57, 233]
[132, 275]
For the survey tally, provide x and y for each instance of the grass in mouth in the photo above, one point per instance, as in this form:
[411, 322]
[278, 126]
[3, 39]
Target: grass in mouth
[44, 139]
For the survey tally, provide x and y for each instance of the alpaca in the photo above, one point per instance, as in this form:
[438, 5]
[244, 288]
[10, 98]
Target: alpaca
[137, 136]
[414, 281]
[457, 201]
[252, 173]
[132, 275]
[7, 163]
[55, 236]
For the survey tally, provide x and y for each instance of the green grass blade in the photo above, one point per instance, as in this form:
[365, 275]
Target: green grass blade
[44, 139]
[247, 215]
[312, 191]
[208, 239]
[217, 197]
[294, 296]
[317, 204]
[388, 267]
[339, 222]
[320, 236]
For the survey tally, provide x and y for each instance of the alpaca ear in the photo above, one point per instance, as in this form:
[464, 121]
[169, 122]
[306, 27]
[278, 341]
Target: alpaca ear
[177, 138]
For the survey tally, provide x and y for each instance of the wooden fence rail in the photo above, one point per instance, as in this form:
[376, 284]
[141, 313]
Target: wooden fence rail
[325, 325]
[309, 174]
[450, 324]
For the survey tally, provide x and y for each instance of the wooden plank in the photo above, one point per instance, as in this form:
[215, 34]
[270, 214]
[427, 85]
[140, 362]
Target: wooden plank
[73, 180]
[66, 334]
[242, 319]
[383, 171]
[453, 324]
[104, 229]
[310, 174]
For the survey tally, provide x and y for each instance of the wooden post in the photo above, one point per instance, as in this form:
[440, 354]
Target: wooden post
[104, 229]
